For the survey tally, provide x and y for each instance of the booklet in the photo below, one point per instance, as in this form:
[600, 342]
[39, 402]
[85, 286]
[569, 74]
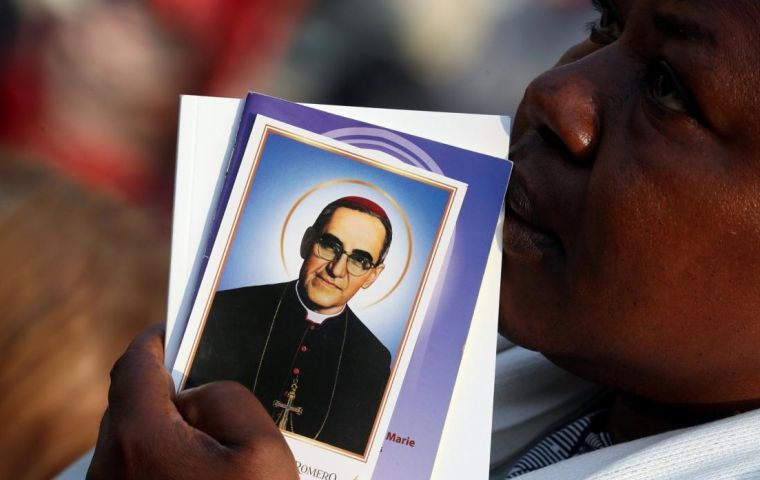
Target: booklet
[384, 305]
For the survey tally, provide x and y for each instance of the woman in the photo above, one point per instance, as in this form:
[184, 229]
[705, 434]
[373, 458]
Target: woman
[631, 249]
[633, 241]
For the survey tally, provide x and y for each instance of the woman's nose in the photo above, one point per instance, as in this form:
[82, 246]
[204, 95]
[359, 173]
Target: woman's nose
[563, 107]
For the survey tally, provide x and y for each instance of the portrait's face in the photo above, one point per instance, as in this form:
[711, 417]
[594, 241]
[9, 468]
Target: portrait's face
[353, 238]
[632, 240]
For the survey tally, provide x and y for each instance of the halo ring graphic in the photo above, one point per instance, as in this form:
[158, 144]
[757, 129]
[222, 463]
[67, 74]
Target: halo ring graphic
[363, 183]
[386, 141]
[393, 144]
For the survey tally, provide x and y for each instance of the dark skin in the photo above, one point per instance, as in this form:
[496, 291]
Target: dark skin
[630, 242]
[632, 233]
[218, 430]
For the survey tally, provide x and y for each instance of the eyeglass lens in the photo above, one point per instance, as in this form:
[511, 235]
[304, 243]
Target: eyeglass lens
[330, 248]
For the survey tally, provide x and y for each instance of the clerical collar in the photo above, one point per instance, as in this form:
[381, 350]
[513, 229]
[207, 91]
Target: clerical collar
[313, 316]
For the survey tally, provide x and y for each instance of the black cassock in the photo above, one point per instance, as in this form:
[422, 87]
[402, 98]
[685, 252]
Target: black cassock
[340, 366]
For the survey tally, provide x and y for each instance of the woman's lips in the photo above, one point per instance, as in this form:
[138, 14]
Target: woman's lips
[524, 239]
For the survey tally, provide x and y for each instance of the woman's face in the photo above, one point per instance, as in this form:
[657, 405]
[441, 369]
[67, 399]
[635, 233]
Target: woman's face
[632, 241]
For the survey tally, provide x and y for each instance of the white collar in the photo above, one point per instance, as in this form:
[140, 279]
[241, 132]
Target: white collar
[313, 316]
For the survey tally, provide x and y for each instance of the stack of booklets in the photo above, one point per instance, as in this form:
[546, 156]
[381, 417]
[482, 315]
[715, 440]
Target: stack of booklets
[343, 264]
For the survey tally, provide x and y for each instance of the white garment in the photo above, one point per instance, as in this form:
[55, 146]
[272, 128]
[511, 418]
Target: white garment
[532, 395]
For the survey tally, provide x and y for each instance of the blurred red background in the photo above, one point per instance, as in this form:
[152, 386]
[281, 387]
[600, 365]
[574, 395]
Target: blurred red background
[88, 100]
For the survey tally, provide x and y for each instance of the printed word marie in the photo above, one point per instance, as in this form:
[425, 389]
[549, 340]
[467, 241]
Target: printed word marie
[392, 437]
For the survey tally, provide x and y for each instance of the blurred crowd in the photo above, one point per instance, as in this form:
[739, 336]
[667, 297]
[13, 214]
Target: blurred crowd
[88, 110]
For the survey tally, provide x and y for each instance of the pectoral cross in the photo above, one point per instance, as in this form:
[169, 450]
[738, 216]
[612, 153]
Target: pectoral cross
[288, 408]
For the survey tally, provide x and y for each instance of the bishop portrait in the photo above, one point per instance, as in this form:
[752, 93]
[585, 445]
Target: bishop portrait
[298, 346]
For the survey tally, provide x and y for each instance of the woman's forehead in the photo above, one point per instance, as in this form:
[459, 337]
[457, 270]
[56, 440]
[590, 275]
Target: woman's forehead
[710, 14]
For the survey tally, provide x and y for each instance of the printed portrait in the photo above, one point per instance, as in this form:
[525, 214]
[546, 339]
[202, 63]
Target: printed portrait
[319, 286]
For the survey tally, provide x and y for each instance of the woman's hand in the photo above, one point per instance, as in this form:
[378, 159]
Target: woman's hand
[218, 430]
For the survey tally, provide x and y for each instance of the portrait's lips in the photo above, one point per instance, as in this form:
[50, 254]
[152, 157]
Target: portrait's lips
[328, 282]
[525, 237]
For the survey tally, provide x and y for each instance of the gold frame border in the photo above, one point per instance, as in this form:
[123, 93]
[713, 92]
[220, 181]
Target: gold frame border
[268, 129]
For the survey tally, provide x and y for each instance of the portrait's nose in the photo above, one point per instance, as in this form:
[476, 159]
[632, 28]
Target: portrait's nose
[563, 107]
[339, 266]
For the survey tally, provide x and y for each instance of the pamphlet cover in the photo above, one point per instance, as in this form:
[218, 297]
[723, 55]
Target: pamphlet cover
[437, 255]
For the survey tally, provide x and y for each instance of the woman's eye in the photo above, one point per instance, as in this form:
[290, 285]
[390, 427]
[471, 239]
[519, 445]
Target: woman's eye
[665, 89]
[608, 27]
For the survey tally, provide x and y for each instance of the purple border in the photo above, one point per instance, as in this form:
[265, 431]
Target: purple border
[426, 392]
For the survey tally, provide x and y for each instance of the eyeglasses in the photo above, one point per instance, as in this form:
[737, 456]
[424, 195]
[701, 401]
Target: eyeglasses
[330, 248]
